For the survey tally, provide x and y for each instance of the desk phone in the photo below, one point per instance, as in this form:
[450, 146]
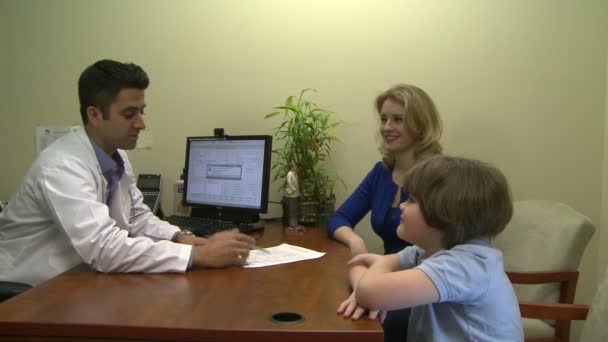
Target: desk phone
[149, 185]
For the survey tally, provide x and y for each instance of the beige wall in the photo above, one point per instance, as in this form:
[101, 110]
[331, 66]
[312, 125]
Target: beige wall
[521, 83]
[603, 237]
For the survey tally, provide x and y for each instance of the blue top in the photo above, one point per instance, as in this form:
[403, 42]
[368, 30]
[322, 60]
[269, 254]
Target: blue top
[476, 299]
[112, 168]
[376, 193]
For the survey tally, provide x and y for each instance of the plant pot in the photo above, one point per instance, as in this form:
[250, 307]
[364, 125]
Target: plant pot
[310, 213]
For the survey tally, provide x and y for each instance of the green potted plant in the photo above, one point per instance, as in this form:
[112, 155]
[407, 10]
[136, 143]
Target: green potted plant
[304, 138]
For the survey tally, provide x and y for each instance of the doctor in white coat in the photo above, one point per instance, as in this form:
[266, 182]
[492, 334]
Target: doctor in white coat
[79, 203]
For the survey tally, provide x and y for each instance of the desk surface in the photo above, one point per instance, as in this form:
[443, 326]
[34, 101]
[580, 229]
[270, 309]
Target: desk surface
[202, 305]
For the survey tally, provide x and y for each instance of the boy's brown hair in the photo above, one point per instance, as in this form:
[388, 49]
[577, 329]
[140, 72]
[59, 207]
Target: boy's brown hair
[465, 198]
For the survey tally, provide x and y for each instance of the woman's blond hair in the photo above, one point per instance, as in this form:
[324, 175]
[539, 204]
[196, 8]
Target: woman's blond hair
[421, 119]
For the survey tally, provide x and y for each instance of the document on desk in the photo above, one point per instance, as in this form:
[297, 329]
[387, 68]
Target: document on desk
[280, 254]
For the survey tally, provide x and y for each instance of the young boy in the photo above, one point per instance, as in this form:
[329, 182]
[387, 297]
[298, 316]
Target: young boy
[452, 277]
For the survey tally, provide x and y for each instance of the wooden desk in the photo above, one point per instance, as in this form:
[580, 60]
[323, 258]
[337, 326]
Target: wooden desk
[202, 305]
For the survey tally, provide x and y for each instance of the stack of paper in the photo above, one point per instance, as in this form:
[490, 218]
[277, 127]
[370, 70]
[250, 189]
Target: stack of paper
[280, 254]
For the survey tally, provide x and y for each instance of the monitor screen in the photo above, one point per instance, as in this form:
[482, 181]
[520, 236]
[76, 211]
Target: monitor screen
[229, 172]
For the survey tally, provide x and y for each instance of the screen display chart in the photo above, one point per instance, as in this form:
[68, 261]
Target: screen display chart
[226, 173]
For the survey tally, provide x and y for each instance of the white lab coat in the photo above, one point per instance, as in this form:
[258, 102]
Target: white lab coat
[58, 218]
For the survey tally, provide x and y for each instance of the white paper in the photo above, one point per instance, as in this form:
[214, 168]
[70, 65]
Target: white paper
[280, 254]
[46, 135]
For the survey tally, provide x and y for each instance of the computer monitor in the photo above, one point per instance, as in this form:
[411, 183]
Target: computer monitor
[227, 177]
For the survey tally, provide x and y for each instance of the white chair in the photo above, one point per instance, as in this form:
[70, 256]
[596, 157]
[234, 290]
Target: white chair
[542, 247]
[596, 326]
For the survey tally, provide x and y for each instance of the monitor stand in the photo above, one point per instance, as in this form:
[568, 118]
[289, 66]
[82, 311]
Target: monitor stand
[225, 214]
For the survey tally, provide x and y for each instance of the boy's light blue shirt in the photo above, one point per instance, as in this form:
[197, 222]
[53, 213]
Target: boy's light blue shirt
[476, 299]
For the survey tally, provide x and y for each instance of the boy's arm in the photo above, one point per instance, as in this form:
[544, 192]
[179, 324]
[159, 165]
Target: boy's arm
[350, 308]
[384, 288]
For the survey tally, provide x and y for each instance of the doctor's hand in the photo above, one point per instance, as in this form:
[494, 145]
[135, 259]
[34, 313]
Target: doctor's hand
[350, 309]
[192, 240]
[224, 249]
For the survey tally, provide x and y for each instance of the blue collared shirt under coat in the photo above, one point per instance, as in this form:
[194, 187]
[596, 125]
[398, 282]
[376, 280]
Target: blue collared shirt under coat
[112, 168]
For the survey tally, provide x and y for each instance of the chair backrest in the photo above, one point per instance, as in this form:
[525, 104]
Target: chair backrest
[596, 326]
[543, 236]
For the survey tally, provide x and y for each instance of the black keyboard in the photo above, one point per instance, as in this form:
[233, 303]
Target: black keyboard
[206, 227]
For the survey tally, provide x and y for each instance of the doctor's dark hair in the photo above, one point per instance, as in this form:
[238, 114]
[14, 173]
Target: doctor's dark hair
[100, 83]
[464, 198]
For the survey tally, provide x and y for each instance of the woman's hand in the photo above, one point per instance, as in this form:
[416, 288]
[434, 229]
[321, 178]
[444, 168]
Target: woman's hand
[347, 236]
[357, 246]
